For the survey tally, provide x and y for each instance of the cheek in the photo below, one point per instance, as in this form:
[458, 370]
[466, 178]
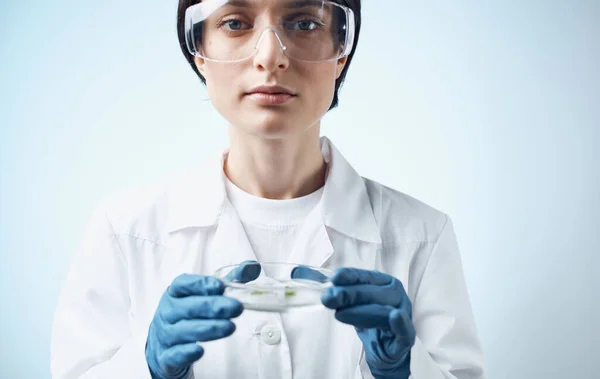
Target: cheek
[320, 85]
[221, 81]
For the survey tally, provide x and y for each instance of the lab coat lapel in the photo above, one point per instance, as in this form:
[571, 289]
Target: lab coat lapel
[345, 207]
[230, 244]
[204, 231]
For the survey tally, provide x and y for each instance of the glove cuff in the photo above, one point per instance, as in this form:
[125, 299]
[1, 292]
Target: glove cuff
[154, 369]
[185, 374]
[401, 371]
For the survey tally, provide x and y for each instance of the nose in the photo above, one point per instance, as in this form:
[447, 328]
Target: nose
[270, 54]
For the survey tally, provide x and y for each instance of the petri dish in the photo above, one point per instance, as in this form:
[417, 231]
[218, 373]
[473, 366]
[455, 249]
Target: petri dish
[274, 286]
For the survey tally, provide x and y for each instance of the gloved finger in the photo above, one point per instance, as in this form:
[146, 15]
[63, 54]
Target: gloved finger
[347, 296]
[200, 307]
[303, 272]
[366, 316]
[186, 331]
[347, 276]
[190, 285]
[245, 272]
[180, 356]
[402, 326]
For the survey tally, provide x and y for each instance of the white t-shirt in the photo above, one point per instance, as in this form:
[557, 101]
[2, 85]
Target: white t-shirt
[272, 226]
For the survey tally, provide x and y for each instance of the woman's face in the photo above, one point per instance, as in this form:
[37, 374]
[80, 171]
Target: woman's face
[233, 88]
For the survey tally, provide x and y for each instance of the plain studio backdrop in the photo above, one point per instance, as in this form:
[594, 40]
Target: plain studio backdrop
[486, 110]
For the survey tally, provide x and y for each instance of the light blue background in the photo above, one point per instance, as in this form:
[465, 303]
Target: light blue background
[487, 110]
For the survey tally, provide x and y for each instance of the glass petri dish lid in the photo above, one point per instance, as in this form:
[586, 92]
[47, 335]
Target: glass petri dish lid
[274, 286]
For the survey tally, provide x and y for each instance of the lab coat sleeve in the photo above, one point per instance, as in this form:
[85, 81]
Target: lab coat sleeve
[447, 345]
[91, 337]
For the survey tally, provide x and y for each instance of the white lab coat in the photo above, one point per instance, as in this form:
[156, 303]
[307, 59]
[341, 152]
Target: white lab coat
[139, 240]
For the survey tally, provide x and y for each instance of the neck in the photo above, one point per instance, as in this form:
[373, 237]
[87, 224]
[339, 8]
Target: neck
[283, 168]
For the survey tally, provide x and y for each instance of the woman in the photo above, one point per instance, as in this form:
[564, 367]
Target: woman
[140, 300]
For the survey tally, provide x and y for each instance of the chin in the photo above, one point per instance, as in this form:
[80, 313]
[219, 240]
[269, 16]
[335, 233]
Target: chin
[270, 130]
[270, 126]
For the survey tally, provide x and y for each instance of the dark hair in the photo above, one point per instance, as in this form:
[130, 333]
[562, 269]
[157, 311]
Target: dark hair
[352, 4]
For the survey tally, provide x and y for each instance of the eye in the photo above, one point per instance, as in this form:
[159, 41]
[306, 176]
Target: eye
[233, 25]
[305, 25]
[303, 22]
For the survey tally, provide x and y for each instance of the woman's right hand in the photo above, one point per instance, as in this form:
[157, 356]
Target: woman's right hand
[192, 309]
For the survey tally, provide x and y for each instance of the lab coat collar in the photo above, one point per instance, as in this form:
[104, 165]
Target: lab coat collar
[198, 198]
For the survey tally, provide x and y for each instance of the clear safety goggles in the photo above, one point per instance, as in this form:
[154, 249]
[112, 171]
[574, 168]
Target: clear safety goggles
[233, 30]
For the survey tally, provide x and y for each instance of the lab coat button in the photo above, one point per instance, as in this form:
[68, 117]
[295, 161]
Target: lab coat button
[270, 334]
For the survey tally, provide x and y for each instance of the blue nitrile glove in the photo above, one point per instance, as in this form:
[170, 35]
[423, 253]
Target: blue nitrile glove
[377, 305]
[192, 309]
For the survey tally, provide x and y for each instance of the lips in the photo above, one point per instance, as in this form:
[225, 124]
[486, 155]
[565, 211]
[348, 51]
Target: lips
[263, 98]
[272, 90]
[271, 95]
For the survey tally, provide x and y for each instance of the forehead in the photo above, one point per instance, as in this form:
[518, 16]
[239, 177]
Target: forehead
[269, 3]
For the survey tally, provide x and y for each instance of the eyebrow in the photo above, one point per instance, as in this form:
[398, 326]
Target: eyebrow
[304, 3]
[288, 5]
[238, 3]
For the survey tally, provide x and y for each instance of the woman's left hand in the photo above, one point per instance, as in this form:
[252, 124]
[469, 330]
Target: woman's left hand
[377, 305]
